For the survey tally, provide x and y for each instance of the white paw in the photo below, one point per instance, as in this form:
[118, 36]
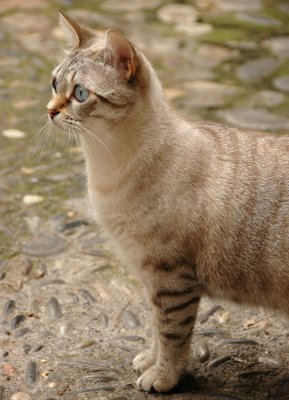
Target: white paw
[143, 361]
[155, 379]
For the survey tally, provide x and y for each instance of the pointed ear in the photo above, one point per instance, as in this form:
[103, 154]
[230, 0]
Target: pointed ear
[120, 53]
[76, 35]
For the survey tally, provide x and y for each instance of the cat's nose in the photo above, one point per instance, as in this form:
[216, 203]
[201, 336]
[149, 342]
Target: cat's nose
[52, 112]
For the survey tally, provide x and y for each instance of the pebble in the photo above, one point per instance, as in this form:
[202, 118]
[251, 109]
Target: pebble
[26, 348]
[30, 376]
[4, 353]
[71, 225]
[279, 46]
[282, 83]
[88, 366]
[203, 94]
[41, 270]
[258, 19]
[269, 361]
[210, 332]
[218, 361]
[201, 351]
[31, 199]
[87, 295]
[96, 389]
[85, 343]
[177, 13]
[53, 309]
[268, 98]
[254, 118]
[13, 134]
[207, 314]
[9, 370]
[9, 307]
[231, 5]
[133, 338]
[129, 320]
[26, 267]
[21, 332]
[255, 70]
[20, 396]
[17, 320]
[101, 378]
[246, 341]
[65, 328]
[45, 245]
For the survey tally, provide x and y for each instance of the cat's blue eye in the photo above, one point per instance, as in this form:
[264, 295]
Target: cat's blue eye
[81, 93]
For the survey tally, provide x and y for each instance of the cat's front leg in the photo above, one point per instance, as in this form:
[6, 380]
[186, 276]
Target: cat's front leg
[175, 295]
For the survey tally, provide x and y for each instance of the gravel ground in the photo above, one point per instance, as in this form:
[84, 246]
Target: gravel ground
[72, 318]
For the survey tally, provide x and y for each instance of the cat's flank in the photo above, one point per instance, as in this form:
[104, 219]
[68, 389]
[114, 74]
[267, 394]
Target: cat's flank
[194, 209]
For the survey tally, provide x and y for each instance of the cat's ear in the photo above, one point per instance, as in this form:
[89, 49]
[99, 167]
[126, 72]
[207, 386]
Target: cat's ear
[76, 35]
[120, 54]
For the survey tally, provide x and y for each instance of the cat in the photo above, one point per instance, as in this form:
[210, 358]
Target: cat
[193, 208]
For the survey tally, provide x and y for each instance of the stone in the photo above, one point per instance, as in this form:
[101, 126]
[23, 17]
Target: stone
[258, 19]
[254, 118]
[66, 327]
[201, 351]
[53, 309]
[281, 83]
[195, 29]
[177, 14]
[21, 22]
[130, 5]
[218, 361]
[278, 45]
[85, 343]
[9, 307]
[45, 245]
[269, 361]
[255, 70]
[130, 320]
[30, 376]
[26, 266]
[237, 341]
[268, 98]
[17, 320]
[31, 199]
[20, 396]
[203, 94]
[9, 370]
[230, 5]
[13, 134]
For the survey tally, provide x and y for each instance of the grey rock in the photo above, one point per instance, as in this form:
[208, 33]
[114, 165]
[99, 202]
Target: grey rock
[177, 13]
[96, 389]
[269, 361]
[232, 5]
[282, 83]
[17, 320]
[258, 19]
[9, 307]
[89, 366]
[65, 328]
[268, 98]
[201, 351]
[129, 320]
[87, 296]
[85, 343]
[71, 225]
[133, 338]
[21, 332]
[203, 94]
[218, 361]
[130, 5]
[236, 341]
[255, 70]
[53, 309]
[279, 46]
[30, 377]
[210, 332]
[258, 118]
[26, 348]
[38, 348]
[45, 245]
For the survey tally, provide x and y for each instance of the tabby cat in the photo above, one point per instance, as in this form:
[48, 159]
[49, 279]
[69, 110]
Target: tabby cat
[194, 208]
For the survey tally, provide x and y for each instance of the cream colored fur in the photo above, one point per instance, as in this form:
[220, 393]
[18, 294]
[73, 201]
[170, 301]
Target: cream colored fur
[192, 208]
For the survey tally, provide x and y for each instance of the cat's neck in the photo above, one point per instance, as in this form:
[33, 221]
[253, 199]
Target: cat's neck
[143, 131]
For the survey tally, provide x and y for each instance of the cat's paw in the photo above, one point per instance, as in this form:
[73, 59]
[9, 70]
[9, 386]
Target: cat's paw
[155, 379]
[143, 361]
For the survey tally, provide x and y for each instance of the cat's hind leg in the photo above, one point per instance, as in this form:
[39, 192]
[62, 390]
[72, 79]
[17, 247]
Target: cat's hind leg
[175, 295]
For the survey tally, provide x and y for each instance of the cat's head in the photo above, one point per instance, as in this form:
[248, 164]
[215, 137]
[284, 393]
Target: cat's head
[99, 79]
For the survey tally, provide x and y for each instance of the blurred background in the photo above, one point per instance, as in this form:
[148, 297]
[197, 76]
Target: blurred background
[63, 297]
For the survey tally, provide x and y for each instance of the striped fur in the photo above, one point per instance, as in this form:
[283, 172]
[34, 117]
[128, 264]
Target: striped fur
[193, 209]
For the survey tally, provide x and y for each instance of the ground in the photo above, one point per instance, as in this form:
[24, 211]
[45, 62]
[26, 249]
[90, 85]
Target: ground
[73, 318]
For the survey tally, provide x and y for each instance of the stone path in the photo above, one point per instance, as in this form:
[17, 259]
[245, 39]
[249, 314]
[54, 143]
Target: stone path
[71, 317]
